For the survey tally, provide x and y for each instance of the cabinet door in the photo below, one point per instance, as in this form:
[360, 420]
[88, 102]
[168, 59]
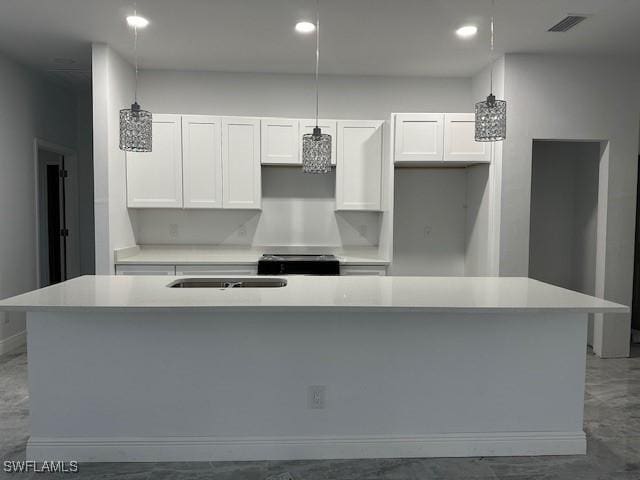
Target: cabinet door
[229, 270]
[280, 141]
[359, 168]
[376, 270]
[327, 126]
[459, 139]
[241, 163]
[202, 161]
[145, 270]
[154, 179]
[419, 137]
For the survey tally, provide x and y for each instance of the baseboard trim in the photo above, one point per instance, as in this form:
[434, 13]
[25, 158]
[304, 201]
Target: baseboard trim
[172, 449]
[14, 341]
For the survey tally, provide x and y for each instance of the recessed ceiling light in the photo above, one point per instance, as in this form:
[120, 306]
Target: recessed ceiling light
[305, 27]
[137, 21]
[467, 31]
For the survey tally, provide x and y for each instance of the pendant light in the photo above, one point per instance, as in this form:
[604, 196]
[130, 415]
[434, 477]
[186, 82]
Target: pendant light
[491, 115]
[135, 123]
[316, 146]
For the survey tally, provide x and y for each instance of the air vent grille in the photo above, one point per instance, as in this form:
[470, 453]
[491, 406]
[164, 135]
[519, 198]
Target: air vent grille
[567, 23]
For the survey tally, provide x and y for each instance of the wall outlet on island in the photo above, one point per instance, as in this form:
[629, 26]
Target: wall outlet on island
[316, 397]
[174, 232]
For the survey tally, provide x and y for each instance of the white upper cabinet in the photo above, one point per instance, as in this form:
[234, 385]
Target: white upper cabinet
[359, 168]
[241, 163]
[419, 137]
[327, 126]
[202, 161]
[154, 179]
[459, 140]
[280, 141]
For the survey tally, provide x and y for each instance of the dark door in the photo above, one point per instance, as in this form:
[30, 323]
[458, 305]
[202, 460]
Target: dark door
[635, 306]
[56, 222]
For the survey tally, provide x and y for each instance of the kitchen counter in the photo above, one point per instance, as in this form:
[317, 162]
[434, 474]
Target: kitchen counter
[437, 294]
[125, 369]
[235, 255]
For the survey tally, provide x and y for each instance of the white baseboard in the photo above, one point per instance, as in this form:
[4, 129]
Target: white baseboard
[14, 341]
[171, 449]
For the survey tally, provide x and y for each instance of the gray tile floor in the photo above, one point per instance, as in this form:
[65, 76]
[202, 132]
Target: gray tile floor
[612, 423]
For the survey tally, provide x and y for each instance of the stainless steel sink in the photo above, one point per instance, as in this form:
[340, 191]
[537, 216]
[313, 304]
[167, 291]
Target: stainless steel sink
[228, 283]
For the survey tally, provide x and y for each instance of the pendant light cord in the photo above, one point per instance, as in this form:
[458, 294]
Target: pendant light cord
[317, 57]
[493, 7]
[135, 55]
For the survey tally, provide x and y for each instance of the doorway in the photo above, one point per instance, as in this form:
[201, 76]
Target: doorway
[564, 215]
[56, 214]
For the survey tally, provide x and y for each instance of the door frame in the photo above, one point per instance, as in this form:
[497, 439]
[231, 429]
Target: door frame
[71, 205]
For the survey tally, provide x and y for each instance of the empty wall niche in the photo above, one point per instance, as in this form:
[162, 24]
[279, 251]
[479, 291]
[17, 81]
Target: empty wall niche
[564, 214]
[441, 221]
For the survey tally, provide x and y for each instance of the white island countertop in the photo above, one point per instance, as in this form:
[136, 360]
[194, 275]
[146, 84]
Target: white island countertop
[313, 293]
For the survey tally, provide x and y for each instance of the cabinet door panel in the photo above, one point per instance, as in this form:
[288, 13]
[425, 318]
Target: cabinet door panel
[459, 139]
[419, 137]
[154, 179]
[280, 141]
[202, 161]
[328, 127]
[359, 169]
[241, 163]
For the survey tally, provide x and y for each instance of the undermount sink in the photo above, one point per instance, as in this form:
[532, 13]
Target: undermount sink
[228, 283]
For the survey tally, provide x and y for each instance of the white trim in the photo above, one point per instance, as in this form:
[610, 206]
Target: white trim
[171, 449]
[14, 341]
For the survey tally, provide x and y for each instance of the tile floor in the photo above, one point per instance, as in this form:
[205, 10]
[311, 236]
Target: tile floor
[612, 423]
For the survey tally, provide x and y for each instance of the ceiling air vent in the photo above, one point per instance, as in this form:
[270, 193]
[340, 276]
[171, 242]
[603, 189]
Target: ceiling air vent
[567, 23]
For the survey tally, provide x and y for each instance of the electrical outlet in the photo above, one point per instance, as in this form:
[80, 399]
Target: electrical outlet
[316, 397]
[242, 231]
[174, 231]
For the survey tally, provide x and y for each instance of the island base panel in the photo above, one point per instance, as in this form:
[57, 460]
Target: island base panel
[234, 385]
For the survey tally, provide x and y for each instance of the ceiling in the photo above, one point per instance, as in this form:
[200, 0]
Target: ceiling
[367, 37]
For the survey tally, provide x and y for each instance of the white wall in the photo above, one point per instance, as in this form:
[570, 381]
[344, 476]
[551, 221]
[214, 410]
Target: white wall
[582, 98]
[84, 144]
[286, 206]
[297, 209]
[113, 85]
[30, 107]
[257, 94]
[430, 221]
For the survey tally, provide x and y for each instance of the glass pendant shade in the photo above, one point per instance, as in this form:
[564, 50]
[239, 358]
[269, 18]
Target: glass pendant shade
[135, 129]
[316, 152]
[491, 120]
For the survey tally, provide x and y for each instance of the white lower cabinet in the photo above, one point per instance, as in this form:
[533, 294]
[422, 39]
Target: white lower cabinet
[217, 270]
[145, 270]
[377, 270]
[359, 168]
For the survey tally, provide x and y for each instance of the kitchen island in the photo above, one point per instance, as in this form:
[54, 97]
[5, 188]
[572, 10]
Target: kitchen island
[127, 369]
